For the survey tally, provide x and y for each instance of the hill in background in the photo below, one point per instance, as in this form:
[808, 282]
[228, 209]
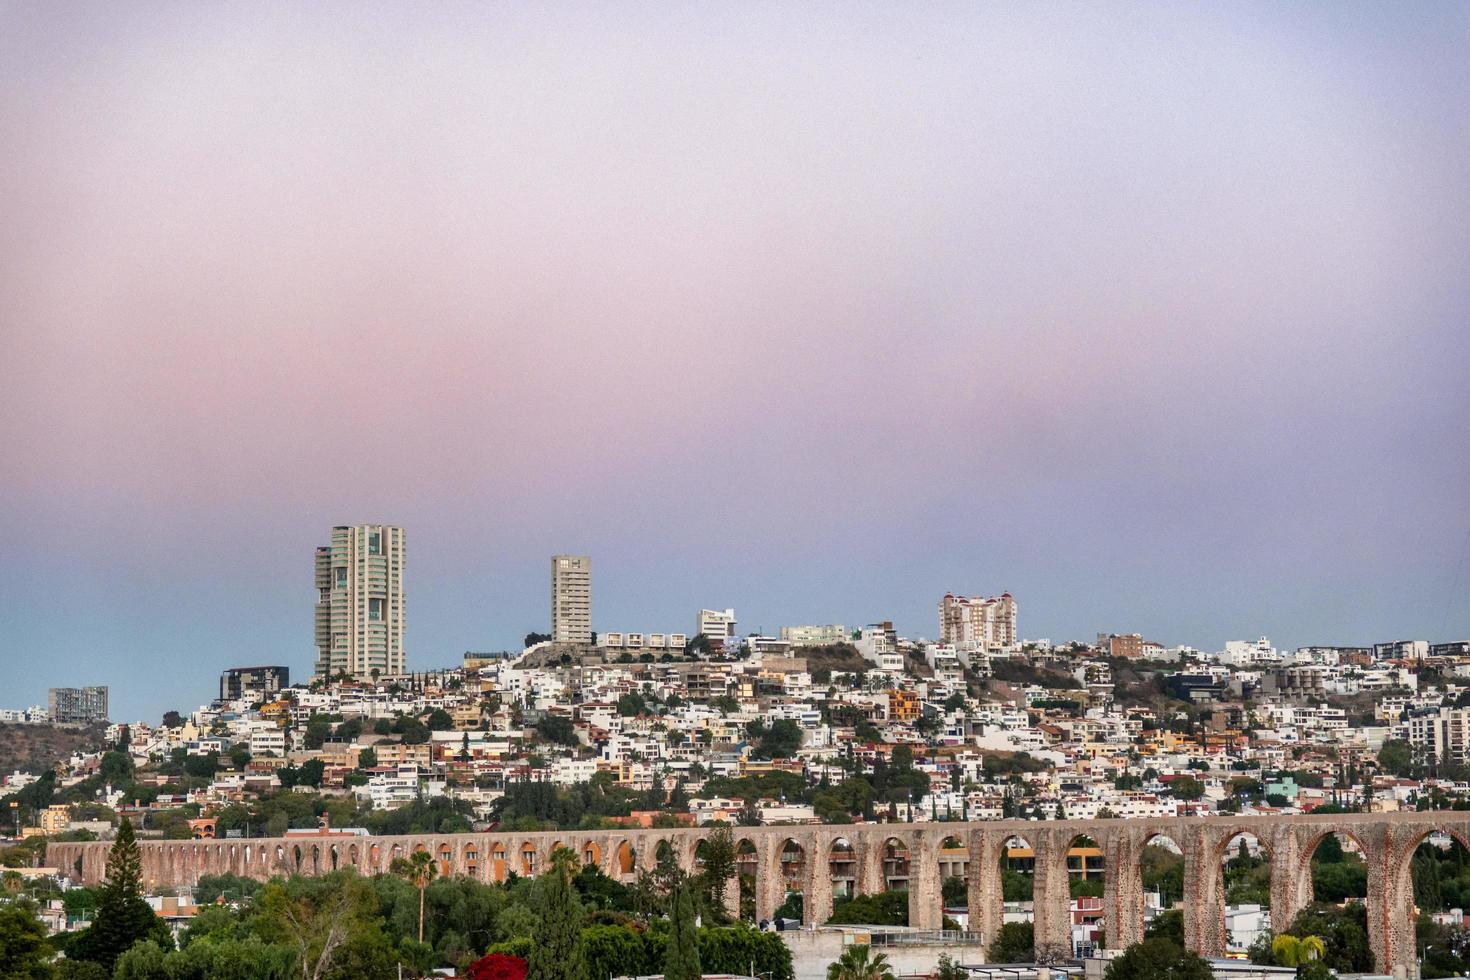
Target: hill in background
[36, 748]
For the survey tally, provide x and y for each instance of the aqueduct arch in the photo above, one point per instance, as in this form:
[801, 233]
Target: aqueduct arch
[863, 859]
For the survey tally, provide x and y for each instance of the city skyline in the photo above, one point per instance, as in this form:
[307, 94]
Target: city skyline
[931, 630]
[1151, 316]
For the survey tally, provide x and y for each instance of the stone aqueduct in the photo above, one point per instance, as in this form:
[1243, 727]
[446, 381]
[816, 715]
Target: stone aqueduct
[867, 858]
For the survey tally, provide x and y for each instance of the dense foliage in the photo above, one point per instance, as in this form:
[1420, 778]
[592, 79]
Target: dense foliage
[1014, 943]
[1158, 959]
[342, 926]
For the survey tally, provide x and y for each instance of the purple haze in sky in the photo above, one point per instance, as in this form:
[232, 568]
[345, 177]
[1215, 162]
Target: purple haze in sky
[1155, 316]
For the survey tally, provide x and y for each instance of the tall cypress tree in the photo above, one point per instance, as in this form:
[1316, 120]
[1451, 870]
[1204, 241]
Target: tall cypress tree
[681, 958]
[557, 953]
[123, 918]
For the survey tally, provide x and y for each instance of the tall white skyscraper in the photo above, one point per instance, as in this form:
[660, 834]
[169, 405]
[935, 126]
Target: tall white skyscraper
[360, 602]
[571, 599]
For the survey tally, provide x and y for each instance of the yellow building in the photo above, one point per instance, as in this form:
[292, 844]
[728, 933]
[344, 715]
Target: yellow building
[399, 755]
[466, 716]
[903, 705]
[54, 818]
[277, 711]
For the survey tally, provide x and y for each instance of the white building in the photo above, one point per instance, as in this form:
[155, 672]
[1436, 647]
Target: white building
[718, 625]
[619, 640]
[878, 649]
[360, 612]
[814, 636]
[974, 622]
[571, 599]
[1440, 733]
[397, 786]
[1241, 653]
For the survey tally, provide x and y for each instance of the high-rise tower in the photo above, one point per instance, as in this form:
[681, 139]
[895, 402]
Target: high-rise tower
[360, 604]
[571, 599]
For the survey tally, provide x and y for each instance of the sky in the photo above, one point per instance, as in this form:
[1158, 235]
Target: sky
[1157, 316]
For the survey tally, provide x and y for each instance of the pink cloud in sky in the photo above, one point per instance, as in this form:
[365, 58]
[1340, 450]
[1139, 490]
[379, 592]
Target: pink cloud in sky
[826, 309]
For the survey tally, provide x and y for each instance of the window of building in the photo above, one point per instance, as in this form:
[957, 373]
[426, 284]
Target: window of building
[375, 609]
[375, 543]
[341, 573]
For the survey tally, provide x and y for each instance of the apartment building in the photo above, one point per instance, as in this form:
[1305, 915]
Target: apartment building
[903, 705]
[1415, 650]
[814, 636]
[1440, 734]
[1129, 645]
[877, 647]
[978, 623]
[571, 598]
[619, 640]
[1294, 682]
[716, 624]
[360, 610]
[77, 705]
[253, 682]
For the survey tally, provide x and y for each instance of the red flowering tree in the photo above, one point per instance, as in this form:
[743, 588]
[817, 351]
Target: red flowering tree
[497, 966]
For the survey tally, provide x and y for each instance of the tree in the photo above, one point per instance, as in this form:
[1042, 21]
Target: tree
[1317, 970]
[1288, 950]
[778, 740]
[1344, 934]
[497, 966]
[1187, 788]
[172, 719]
[318, 727]
[143, 961]
[719, 868]
[240, 755]
[557, 729]
[534, 638]
[439, 720]
[24, 951]
[860, 963]
[948, 969]
[311, 773]
[1158, 959]
[1396, 757]
[115, 768]
[681, 957]
[123, 918]
[614, 951]
[557, 952]
[418, 869]
[331, 923]
[1015, 942]
[1167, 925]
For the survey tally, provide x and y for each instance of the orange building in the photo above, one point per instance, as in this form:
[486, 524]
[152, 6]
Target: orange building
[903, 705]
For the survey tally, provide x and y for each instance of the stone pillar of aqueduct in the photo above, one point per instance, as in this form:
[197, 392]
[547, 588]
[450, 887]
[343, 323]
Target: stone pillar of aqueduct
[868, 858]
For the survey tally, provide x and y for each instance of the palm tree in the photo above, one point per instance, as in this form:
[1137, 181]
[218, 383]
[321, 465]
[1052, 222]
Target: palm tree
[419, 869]
[1288, 950]
[860, 963]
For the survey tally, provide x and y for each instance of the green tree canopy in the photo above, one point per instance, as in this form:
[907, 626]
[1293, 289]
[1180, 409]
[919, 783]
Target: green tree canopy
[681, 957]
[123, 918]
[1014, 943]
[24, 950]
[860, 962]
[557, 951]
[1158, 959]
